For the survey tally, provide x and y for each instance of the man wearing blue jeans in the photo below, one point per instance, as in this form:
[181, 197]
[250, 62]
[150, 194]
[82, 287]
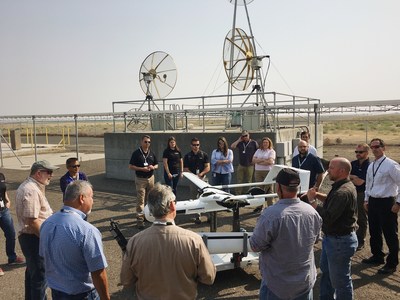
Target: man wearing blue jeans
[339, 215]
[7, 225]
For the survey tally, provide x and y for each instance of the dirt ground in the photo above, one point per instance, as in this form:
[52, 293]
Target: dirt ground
[115, 199]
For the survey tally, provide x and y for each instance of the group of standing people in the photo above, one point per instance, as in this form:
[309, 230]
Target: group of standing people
[62, 251]
[65, 252]
[363, 194]
[254, 162]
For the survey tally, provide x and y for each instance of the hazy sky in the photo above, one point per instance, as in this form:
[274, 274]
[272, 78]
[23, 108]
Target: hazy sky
[77, 56]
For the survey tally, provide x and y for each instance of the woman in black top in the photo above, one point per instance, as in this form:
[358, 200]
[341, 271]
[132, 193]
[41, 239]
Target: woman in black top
[173, 164]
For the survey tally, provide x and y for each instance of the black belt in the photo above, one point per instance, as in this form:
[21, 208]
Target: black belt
[339, 235]
[143, 176]
[383, 198]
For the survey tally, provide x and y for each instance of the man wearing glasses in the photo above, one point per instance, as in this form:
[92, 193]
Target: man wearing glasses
[143, 161]
[358, 176]
[73, 173]
[382, 201]
[32, 210]
[196, 162]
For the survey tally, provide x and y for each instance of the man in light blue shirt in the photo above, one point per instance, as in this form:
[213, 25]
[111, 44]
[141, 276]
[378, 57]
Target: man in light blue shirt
[72, 248]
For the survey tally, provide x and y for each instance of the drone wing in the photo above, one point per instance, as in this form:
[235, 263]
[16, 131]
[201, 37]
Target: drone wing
[196, 180]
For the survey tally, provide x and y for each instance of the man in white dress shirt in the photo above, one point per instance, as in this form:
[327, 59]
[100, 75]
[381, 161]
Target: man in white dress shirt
[382, 201]
[305, 136]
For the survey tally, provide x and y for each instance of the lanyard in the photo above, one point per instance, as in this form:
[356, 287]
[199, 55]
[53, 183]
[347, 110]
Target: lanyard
[301, 163]
[164, 223]
[245, 146]
[77, 177]
[145, 157]
[69, 211]
[375, 171]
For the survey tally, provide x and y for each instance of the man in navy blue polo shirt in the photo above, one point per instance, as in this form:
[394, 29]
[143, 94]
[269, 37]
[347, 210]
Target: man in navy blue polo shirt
[358, 176]
[307, 161]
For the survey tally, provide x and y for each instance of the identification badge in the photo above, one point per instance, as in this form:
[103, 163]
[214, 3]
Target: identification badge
[197, 171]
[145, 164]
[214, 174]
[1, 203]
[244, 151]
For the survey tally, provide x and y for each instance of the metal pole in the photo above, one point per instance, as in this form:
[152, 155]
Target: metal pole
[316, 126]
[204, 115]
[294, 112]
[186, 121]
[229, 101]
[1, 149]
[125, 124]
[76, 136]
[113, 110]
[34, 135]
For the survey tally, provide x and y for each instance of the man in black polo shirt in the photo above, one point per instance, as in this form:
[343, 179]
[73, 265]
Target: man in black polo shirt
[246, 147]
[196, 162]
[358, 176]
[143, 162]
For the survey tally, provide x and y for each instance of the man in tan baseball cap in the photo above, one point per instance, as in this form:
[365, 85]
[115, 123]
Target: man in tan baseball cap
[32, 209]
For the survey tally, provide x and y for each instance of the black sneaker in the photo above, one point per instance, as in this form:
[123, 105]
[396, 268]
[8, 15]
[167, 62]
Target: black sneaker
[385, 270]
[373, 260]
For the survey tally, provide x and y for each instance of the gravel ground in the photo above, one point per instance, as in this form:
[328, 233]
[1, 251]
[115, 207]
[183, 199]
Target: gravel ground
[115, 199]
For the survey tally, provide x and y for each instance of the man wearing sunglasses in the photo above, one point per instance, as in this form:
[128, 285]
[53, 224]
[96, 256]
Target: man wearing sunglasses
[382, 201]
[358, 176]
[143, 161]
[246, 147]
[196, 161]
[73, 173]
[32, 210]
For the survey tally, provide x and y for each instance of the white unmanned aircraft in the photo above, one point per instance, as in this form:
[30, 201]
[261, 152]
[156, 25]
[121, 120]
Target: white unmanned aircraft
[213, 198]
[230, 250]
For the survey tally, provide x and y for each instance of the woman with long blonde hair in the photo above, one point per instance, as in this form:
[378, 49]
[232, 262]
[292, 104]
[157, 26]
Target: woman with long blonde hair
[263, 160]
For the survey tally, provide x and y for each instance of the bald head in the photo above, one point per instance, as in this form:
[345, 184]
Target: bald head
[339, 168]
[302, 147]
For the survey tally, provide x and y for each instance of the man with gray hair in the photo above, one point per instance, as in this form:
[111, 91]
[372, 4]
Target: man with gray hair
[165, 261]
[285, 235]
[32, 209]
[72, 248]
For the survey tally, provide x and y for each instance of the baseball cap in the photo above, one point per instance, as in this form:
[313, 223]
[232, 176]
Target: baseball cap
[288, 177]
[43, 164]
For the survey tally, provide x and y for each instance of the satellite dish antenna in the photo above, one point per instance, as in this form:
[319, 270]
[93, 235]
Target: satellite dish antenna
[241, 62]
[157, 76]
[238, 59]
